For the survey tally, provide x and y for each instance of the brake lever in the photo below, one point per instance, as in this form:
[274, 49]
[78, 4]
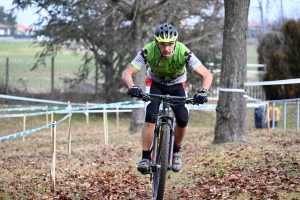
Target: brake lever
[146, 97]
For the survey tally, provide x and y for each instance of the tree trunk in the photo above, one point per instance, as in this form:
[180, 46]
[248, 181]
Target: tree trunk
[138, 114]
[231, 108]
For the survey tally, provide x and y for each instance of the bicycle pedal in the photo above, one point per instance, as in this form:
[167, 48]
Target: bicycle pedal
[147, 172]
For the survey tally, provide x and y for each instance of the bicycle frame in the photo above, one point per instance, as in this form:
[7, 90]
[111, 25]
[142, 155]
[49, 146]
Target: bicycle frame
[163, 118]
[163, 141]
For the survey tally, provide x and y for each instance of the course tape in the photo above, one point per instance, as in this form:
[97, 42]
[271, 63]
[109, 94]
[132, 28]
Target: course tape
[79, 105]
[75, 106]
[253, 99]
[33, 108]
[122, 107]
[31, 99]
[20, 134]
[124, 104]
[119, 105]
[86, 112]
[212, 107]
[93, 111]
[24, 114]
[279, 82]
[231, 90]
[93, 106]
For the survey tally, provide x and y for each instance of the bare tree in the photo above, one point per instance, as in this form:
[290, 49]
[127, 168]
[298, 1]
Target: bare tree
[231, 108]
[144, 13]
[108, 33]
[93, 29]
[139, 13]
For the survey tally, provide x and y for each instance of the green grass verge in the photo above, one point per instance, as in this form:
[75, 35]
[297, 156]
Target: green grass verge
[21, 59]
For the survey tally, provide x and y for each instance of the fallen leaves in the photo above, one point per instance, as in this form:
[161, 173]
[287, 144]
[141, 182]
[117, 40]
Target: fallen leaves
[239, 174]
[262, 168]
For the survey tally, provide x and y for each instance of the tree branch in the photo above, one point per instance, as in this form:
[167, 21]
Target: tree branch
[124, 7]
[153, 9]
[196, 39]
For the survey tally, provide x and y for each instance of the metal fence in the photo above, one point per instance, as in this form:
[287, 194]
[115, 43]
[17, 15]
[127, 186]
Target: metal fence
[290, 106]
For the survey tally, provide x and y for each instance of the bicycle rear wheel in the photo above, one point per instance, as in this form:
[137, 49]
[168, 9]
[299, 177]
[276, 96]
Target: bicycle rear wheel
[160, 174]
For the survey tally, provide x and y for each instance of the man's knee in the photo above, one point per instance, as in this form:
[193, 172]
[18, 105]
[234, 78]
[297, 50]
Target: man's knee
[182, 116]
[151, 112]
[182, 123]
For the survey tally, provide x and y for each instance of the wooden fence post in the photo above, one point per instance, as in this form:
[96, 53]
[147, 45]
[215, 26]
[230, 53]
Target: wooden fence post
[105, 124]
[87, 113]
[24, 125]
[52, 168]
[268, 120]
[7, 76]
[117, 117]
[297, 116]
[47, 120]
[70, 136]
[284, 116]
[52, 77]
[51, 128]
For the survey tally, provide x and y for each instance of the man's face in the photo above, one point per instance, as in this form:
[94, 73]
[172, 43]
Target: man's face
[166, 48]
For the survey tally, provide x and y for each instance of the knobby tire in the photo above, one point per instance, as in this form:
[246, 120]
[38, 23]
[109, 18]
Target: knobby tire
[160, 175]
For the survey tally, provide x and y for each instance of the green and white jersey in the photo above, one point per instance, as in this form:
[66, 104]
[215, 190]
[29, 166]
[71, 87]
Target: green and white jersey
[167, 71]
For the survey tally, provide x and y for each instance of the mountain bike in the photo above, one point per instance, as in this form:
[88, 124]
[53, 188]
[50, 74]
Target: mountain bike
[163, 142]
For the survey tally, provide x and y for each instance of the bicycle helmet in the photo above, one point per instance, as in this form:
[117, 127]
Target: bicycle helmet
[166, 33]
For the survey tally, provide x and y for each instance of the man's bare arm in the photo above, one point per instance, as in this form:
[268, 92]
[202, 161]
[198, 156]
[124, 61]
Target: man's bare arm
[206, 75]
[127, 75]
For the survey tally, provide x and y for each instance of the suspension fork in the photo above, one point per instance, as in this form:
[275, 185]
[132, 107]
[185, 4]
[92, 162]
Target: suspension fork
[171, 122]
[157, 130]
[171, 146]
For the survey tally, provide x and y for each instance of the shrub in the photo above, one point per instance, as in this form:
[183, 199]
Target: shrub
[280, 51]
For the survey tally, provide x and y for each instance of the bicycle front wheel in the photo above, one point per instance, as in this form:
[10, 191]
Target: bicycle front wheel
[160, 174]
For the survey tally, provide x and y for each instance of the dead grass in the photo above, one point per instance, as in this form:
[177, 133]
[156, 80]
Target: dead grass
[265, 166]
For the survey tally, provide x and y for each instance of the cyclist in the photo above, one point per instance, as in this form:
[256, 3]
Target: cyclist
[167, 59]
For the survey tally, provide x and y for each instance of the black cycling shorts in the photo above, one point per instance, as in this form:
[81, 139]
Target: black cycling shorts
[180, 111]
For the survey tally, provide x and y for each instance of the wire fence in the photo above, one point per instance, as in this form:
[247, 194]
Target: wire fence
[16, 75]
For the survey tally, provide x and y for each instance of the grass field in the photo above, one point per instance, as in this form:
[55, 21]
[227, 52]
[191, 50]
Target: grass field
[265, 166]
[251, 55]
[21, 59]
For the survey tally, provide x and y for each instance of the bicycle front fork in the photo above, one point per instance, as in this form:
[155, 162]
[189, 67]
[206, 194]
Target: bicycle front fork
[172, 139]
[156, 141]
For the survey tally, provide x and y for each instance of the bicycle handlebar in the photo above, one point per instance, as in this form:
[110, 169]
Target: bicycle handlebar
[167, 98]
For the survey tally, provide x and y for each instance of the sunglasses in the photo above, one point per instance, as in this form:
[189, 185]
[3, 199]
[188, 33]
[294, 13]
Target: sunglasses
[166, 43]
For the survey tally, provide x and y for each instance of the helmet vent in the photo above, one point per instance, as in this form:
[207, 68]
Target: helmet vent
[165, 33]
